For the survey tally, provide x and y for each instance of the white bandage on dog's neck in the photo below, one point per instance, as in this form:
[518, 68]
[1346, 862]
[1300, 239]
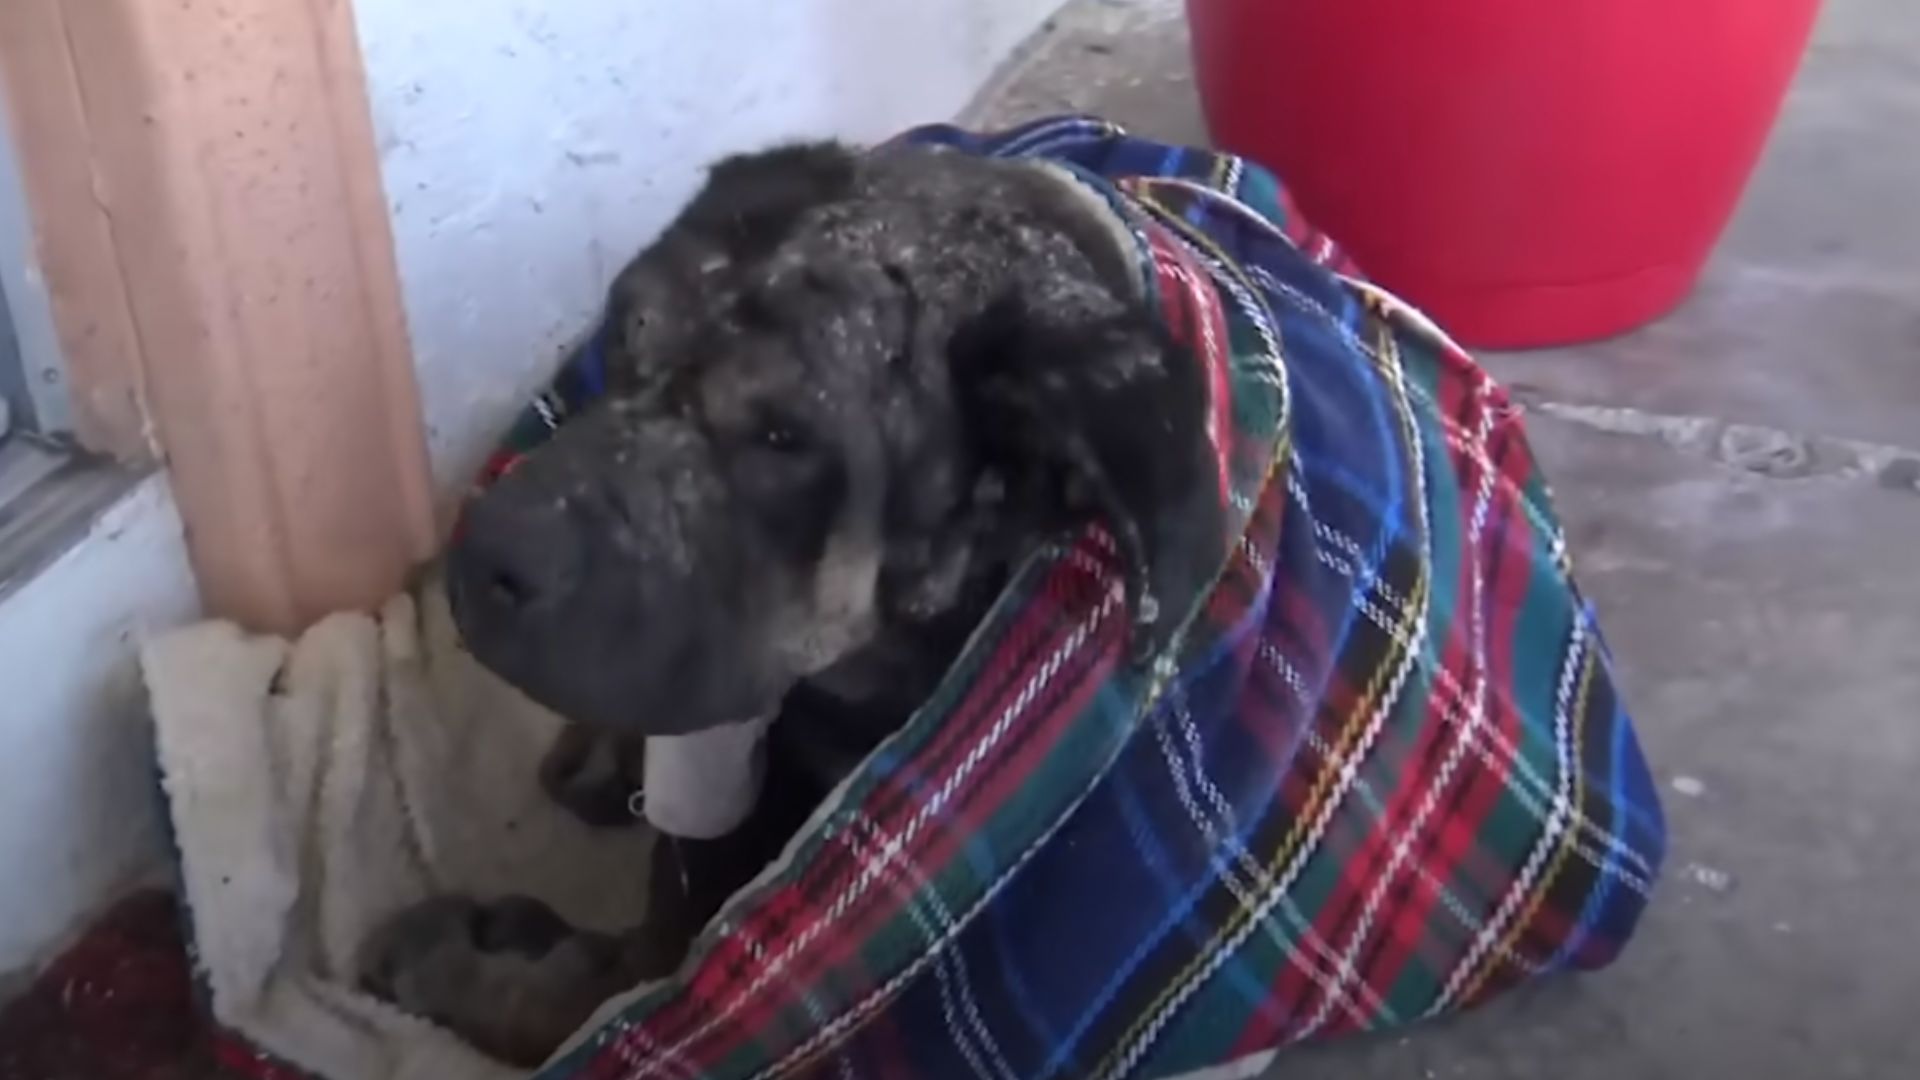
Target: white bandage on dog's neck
[702, 786]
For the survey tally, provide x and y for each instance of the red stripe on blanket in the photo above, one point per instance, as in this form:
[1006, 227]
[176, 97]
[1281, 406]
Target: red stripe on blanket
[1192, 313]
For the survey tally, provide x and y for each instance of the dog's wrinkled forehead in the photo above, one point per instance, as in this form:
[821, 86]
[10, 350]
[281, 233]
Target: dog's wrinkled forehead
[820, 331]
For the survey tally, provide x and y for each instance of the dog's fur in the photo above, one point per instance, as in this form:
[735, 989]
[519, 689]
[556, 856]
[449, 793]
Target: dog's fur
[848, 392]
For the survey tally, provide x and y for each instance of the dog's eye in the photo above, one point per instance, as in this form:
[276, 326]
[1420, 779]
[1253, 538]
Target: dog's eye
[776, 429]
[776, 435]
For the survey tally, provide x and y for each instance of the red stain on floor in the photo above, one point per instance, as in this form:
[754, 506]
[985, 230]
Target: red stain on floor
[119, 1005]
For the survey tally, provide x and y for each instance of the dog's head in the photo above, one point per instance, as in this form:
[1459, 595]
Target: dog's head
[805, 469]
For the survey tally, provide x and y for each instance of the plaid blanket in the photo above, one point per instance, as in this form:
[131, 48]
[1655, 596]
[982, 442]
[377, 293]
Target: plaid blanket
[1383, 774]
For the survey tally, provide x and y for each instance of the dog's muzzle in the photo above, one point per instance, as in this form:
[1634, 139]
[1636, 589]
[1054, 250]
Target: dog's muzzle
[596, 577]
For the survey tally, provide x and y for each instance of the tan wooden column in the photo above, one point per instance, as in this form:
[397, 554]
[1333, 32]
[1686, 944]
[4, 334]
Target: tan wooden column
[206, 191]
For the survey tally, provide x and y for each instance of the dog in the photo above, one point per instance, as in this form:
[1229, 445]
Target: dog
[847, 393]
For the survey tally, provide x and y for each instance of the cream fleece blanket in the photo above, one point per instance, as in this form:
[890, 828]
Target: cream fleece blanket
[318, 786]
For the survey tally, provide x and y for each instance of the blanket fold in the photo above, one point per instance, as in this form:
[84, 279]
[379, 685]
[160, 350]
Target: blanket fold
[316, 787]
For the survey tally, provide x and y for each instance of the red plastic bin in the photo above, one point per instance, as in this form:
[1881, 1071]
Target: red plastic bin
[1531, 172]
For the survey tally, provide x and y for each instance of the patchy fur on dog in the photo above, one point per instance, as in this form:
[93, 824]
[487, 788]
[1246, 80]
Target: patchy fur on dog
[850, 392]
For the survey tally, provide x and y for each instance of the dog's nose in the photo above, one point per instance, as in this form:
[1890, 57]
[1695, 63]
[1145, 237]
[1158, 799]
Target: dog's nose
[513, 555]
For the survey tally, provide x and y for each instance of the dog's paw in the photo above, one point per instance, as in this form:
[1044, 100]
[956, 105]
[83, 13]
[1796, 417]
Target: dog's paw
[510, 977]
[596, 777]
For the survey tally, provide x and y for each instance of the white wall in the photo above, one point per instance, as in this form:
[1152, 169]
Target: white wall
[530, 147]
[77, 794]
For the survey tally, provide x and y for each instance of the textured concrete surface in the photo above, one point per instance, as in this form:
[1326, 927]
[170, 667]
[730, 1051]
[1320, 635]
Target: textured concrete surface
[1741, 483]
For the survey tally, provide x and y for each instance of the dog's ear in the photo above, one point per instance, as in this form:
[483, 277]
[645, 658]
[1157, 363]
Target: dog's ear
[1107, 416]
[752, 201]
[748, 206]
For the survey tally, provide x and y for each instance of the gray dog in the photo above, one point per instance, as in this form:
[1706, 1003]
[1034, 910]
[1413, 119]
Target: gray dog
[848, 393]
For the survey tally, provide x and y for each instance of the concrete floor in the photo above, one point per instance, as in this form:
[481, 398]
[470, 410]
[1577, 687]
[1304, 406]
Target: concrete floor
[1765, 607]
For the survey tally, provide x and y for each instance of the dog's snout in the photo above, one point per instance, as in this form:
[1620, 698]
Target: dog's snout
[514, 555]
[602, 576]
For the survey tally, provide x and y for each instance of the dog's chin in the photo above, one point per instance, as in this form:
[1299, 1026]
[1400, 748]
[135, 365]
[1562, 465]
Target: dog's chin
[632, 717]
[617, 704]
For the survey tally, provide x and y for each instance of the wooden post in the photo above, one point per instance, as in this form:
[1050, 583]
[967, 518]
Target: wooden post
[232, 174]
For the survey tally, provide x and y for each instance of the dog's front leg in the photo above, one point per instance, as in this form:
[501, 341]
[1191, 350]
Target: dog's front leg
[597, 777]
[509, 976]
[704, 854]
[514, 979]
